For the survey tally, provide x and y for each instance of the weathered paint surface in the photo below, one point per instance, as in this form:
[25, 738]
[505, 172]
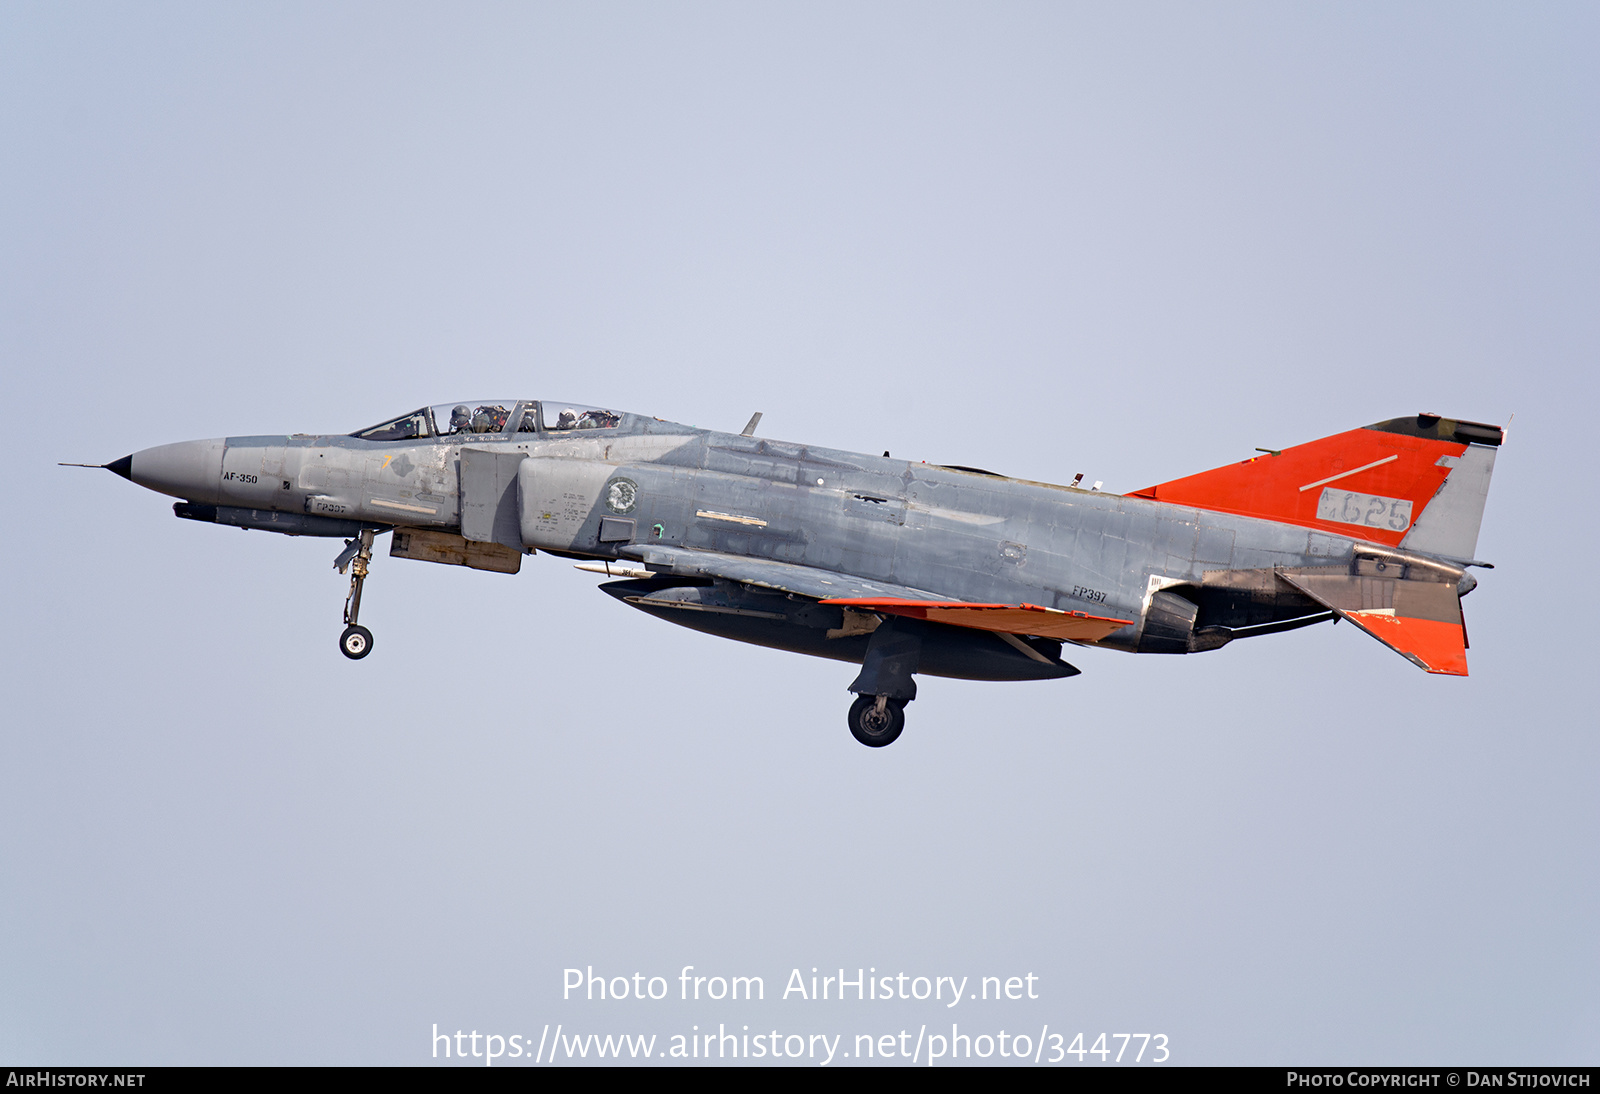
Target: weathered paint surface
[751, 538]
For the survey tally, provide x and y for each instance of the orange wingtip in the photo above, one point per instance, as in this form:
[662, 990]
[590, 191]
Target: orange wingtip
[1003, 618]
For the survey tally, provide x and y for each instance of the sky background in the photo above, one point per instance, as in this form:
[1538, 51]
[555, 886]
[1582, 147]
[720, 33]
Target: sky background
[1133, 241]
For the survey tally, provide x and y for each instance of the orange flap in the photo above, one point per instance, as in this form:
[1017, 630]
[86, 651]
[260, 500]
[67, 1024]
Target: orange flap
[1005, 618]
[1419, 620]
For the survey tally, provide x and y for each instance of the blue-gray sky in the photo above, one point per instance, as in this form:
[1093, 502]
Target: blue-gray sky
[1135, 241]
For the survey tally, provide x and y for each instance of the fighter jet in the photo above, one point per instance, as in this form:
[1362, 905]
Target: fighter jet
[902, 568]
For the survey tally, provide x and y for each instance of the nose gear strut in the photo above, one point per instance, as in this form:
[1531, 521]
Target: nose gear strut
[356, 641]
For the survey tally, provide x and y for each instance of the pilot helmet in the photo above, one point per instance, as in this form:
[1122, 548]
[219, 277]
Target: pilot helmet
[460, 417]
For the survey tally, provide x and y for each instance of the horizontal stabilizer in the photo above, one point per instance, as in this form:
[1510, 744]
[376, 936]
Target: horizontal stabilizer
[1419, 620]
[1003, 618]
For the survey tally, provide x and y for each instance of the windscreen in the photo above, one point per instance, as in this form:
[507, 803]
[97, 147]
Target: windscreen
[404, 428]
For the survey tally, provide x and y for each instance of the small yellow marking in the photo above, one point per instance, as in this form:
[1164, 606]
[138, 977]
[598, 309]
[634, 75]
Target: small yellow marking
[709, 515]
[399, 505]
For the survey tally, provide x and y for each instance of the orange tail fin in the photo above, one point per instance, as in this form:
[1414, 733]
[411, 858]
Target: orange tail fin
[1386, 483]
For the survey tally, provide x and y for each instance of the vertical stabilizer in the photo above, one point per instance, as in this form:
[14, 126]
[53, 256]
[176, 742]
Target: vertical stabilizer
[1417, 482]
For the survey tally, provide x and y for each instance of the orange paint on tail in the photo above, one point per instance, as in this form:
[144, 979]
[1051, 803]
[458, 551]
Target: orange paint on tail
[1363, 473]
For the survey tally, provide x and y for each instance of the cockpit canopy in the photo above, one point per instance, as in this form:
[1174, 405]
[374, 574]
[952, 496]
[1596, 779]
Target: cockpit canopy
[505, 417]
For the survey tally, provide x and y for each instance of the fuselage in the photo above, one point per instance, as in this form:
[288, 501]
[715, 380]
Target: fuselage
[952, 533]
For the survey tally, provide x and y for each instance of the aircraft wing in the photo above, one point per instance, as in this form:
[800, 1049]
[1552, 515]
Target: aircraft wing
[1419, 620]
[846, 591]
[768, 574]
[1004, 618]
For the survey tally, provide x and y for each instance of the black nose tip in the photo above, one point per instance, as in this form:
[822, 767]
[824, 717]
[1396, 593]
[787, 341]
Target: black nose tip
[123, 467]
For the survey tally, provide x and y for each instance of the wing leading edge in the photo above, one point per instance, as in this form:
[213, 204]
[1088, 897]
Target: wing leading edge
[764, 573]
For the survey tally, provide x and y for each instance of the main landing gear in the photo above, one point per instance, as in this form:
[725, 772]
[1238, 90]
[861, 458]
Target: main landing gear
[876, 720]
[356, 641]
[886, 685]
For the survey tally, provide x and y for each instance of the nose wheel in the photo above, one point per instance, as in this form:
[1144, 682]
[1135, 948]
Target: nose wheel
[356, 641]
[876, 720]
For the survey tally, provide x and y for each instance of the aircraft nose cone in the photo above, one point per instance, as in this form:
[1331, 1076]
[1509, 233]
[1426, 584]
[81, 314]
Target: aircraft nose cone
[121, 467]
[191, 470]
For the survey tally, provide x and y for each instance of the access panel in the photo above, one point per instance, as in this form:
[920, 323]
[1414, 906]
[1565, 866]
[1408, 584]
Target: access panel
[562, 502]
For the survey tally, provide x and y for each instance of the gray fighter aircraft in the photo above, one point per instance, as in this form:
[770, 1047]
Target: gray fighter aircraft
[902, 568]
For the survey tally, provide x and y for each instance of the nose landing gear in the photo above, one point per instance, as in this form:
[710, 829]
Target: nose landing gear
[356, 641]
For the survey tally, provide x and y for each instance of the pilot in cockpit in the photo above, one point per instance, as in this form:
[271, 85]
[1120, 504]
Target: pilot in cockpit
[460, 418]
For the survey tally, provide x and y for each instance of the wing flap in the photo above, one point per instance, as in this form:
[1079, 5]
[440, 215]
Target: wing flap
[1419, 620]
[1000, 618]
